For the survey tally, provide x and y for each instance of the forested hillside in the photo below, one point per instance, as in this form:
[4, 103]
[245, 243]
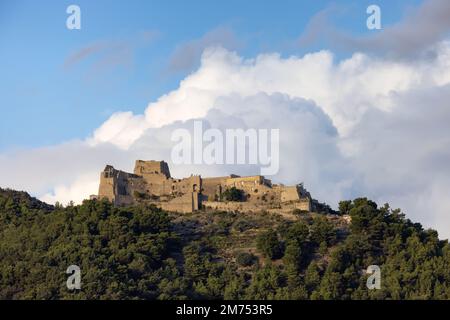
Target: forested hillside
[144, 253]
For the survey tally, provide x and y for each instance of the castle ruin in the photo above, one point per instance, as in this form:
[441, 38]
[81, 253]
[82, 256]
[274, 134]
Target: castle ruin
[151, 182]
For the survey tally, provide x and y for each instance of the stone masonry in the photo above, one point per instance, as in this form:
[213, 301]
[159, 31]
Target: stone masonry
[151, 182]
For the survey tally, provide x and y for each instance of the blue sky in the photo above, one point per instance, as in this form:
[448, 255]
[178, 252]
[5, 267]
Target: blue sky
[46, 99]
[350, 101]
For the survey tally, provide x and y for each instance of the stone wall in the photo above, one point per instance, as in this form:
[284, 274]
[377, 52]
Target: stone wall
[303, 204]
[143, 168]
[107, 184]
[159, 182]
[119, 186]
[213, 187]
[189, 202]
[186, 185]
[289, 194]
[231, 206]
[152, 183]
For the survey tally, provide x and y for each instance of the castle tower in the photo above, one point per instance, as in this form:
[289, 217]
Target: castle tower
[146, 168]
[156, 175]
[118, 186]
[107, 188]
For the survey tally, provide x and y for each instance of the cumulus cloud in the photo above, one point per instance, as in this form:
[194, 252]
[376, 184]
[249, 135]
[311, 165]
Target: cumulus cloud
[363, 126]
[54, 171]
[344, 90]
[84, 184]
[308, 145]
[403, 155]
[122, 129]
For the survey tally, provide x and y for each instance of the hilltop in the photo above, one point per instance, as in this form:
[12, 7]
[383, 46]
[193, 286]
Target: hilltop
[143, 252]
[152, 183]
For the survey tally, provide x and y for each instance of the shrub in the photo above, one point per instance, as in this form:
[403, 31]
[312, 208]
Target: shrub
[140, 195]
[345, 207]
[243, 225]
[268, 244]
[293, 254]
[322, 231]
[298, 232]
[246, 259]
[233, 194]
[299, 212]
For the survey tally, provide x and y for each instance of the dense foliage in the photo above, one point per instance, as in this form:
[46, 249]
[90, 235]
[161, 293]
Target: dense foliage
[142, 252]
[233, 194]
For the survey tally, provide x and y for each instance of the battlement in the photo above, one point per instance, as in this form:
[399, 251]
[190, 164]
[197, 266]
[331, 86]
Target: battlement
[151, 182]
[152, 168]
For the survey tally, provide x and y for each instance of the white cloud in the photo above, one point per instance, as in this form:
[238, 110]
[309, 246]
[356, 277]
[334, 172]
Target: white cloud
[122, 129]
[360, 127]
[344, 90]
[76, 191]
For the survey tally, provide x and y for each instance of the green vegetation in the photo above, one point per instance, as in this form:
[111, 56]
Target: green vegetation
[299, 212]
[269, 245]
[142, 252]
[233, 194]
[246, 259]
